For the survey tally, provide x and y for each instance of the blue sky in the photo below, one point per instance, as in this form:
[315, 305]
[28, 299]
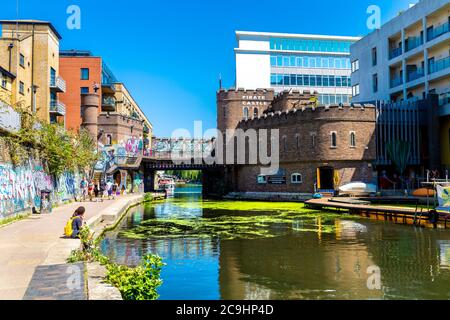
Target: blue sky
[170, 53]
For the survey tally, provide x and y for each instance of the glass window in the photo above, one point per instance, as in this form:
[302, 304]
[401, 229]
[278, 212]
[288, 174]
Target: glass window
[305, 62]
[319, 62]
[332, 99]
[299, 62]
[337, 63]
[84, 90]
[306, 80]
[326, 99]
[312, 80]
[333, 139]
[21, 87]
[299, 80]
[285, 61]
[286, 80]
[273, 79]
[293, 80]
[296, 178]
[344, 81]
[279, 61]
[245, 113]
[273, 61]
[84, 74]
[280, 79]
[312, 62]
[319, 80]
[338, 81]
[292, 61]
[331, 81]
[325, 81]
[325, 62]
[22, 60]
[352, 139]
[331, 60]
[255, 112]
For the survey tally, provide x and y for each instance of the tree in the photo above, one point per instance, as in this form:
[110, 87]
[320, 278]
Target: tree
[399, 152]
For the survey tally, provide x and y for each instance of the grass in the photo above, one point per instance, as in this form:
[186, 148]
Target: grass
[10, 220]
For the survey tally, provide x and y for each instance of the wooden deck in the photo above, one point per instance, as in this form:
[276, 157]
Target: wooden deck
[407, 216]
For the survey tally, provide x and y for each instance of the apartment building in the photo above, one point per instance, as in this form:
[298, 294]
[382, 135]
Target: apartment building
[408, 58]
[295, 61]
[29, 68]
[86, 73]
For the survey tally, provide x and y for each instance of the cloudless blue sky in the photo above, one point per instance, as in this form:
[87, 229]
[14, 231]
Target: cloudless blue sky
[170, 53]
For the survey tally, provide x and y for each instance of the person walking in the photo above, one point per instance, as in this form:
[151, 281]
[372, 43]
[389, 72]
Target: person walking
[91, 190]
[96, 191]
[115, 189]
[109, 189]
[84, 189]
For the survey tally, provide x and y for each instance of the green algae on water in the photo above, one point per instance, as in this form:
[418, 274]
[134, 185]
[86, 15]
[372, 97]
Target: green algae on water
[230, 227]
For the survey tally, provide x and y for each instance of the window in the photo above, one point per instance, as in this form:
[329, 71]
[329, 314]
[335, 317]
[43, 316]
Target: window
[355, 65]
[84, 74]
[245, 113]
[313, 139]
[296, 178]
[4, 81]
[374, 56]
[355, 90]
[22, 60]
[297, 141]
[109, 140]
[255, 112]
[84, 90]
[21, 87]
[352, 139]
[334, 139]
[284, 140]
[262, 179]
[375, 82]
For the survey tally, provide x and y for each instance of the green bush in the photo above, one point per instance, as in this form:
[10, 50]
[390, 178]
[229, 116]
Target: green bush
[139, 283]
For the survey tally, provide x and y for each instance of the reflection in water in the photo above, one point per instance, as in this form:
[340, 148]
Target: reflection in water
[317, 256]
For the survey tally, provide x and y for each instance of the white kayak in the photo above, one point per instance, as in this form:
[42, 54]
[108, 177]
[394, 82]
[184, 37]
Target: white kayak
[358, 188]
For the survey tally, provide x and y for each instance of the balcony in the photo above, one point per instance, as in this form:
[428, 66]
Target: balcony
[10, 120]
[57, 108]
[433, 33]
[415, 74]
[439, 65]
[393, 53]
[413, 42]
[109, 88]
[108, 104]
[57, 84]
[396, 81]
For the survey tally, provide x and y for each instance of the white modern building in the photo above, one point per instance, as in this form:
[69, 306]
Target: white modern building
[295, 61]
[407, 59]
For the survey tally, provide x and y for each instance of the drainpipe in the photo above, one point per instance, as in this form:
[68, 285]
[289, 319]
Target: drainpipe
[33, 98]
[10, 47]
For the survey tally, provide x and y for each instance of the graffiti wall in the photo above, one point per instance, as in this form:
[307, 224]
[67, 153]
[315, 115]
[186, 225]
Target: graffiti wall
[20, 187]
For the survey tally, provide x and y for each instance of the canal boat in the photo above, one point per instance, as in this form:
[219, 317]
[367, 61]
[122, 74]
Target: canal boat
[358, 189]
[167, 185]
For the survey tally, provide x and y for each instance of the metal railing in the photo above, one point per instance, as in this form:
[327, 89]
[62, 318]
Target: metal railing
[58, 83]
[439, 65]
[436, 32]
[10, 119]
[57, 107]
[416, 74]
[413, 42]
[444, 99]
[396, 82]
[393, 53]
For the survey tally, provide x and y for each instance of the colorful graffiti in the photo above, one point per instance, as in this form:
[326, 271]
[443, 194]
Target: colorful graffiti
[138, 183]
[21, 187]
[117, 154]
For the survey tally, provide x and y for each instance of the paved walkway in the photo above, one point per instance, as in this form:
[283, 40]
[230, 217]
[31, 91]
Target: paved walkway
[38, 241]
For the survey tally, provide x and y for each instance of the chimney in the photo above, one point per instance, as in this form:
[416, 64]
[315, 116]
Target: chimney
[89, 109]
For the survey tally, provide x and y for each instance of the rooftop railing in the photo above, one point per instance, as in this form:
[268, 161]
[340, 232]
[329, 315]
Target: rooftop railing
[57, 107]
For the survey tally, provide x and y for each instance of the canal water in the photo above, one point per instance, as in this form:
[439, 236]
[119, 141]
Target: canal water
[265, 250]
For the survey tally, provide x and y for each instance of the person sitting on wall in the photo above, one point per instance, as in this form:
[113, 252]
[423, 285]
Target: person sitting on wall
[77, 221]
